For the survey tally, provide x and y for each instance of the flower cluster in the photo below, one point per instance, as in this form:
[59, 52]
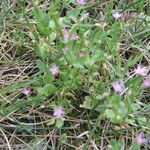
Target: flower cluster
[66, 35]
[141, 71]
[118, 85]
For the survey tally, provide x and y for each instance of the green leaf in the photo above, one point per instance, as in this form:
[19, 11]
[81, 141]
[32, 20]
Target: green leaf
[42, 49]
[90, 103]
[42, 20]
[135, 146]
[122, 110]
[47, 90]
[55, 17]
[52, 37]
[142, 120]
[41, 65]
[59, 122]
[108, 11]
[116, 145]
[131, 62]
[38, 14]
[52, 105]
[52, 25]
[51, 122]
[110, 114]
[63, 137]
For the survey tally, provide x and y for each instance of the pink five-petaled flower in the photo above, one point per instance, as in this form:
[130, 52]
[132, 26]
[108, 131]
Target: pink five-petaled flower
[54, 70]
[141, 139]
[146, 82]
[117, 15]
[118, 86]
[58, 112]
[141, 70]
[26, 91]
[81, 2]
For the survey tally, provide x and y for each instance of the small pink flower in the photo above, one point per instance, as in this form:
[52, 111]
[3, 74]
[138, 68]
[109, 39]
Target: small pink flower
[141, 70]
[81, 2]
[118, 86]
[141, 139]
[58, 111]
[54, 70]
[117, 15]
[65, 33]
[146, 82]
[26, 91]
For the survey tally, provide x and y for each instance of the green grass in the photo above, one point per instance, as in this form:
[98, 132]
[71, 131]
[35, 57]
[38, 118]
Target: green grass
[96, 117]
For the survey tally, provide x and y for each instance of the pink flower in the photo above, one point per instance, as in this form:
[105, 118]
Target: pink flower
[118, 86]
[65, 33]
[26, 91]
[81, 2]
[58, 111]
[146, 82]
[117, 15]
[140, 139]
[54, 70]
[141, 70]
